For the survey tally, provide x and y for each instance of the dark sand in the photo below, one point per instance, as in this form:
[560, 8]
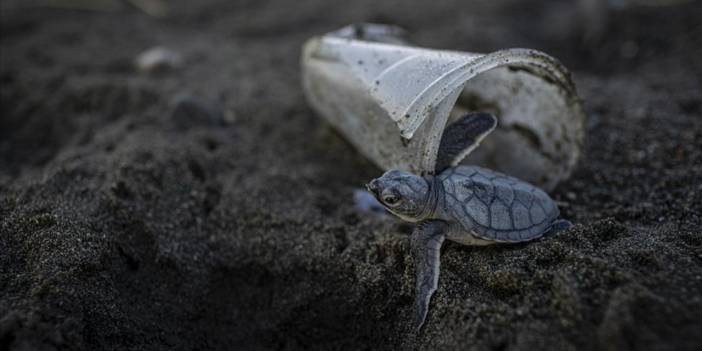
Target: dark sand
[122, 229]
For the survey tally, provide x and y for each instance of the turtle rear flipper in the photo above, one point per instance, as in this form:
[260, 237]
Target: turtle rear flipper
[461, 137]
[558, 226]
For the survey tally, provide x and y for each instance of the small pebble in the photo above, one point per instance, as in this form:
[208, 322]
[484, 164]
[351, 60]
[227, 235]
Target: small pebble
[190, 112]
[366, 202]
[158, 59]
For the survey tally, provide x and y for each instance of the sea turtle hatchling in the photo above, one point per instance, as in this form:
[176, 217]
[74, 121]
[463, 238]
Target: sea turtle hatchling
[466, 204]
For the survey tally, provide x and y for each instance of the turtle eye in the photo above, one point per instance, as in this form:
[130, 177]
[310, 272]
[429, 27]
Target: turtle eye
[391, 199]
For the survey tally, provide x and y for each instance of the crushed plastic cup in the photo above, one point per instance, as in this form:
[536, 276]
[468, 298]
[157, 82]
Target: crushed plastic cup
[392, 101]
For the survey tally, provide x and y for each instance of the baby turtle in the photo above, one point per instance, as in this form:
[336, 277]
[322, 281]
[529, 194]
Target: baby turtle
[467, 204]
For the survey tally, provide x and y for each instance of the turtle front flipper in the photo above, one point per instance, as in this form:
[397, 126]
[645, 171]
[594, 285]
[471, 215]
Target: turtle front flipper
[426, 245]
[461, 137]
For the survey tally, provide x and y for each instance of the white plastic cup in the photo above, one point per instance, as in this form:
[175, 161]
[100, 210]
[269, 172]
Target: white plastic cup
[393, 101]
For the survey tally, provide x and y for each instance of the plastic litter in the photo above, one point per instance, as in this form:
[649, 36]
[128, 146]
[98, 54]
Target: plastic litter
[393, 101]
[158, 59]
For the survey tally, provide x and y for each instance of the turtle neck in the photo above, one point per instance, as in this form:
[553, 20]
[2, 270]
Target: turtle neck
[434, 194]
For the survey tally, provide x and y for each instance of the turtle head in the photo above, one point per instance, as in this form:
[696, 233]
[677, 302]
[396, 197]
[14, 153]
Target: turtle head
[402, 193]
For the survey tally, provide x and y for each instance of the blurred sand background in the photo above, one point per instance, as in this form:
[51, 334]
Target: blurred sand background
[126, 223]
